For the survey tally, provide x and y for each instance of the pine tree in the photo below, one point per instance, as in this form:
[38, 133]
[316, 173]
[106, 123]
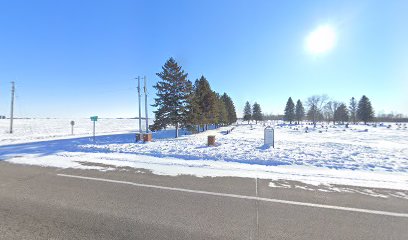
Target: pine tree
[257, 113]
[222, 118]
[289, 111]
[194, 115]
[299, 111]
[173, 93]
[247, 112]
[353, 110]
[365, 111]
[232, 115]
[207, 101]
[341, 114]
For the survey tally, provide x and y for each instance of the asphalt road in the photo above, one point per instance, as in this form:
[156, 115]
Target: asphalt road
[49, 203]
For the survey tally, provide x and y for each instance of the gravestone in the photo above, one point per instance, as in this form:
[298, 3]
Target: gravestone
[269, 136]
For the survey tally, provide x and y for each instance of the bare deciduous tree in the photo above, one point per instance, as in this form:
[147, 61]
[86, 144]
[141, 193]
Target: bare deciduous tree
[329, 109]
[315, 104]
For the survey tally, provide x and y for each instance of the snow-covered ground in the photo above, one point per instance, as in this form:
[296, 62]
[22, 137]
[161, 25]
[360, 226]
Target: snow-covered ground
[29, 130]
[360, 155]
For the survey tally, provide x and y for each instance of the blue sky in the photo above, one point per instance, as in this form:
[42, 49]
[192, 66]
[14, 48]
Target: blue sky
[79, 58]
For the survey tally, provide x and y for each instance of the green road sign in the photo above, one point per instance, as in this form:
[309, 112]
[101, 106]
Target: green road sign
[94, 118]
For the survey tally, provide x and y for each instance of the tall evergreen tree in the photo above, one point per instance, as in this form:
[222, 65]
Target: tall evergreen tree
[299, 111]
[353, 110]
[207, 101]
[289, 111]
[194, 115]
[257, 112]
[222, 117]
[247, 112]
[365, 111]
[341, 114]
[173, 93]
[232, 115]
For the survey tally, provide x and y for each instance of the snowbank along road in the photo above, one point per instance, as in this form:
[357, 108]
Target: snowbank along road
[366, 156]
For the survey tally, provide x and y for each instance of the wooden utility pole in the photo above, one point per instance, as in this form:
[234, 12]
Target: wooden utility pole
[140, 104]
[12, 107]
[145, 92]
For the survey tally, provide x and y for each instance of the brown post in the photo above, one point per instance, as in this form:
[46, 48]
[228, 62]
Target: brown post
[211, 140]
[147, 137]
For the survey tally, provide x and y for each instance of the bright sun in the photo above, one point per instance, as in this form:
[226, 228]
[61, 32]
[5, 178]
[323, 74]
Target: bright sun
[321, 40]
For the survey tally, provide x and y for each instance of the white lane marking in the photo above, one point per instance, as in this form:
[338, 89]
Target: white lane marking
[360, 210]
[257, 208]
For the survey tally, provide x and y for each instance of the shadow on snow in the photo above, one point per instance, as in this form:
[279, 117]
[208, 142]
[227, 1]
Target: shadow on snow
[43, 148]
[46, 148]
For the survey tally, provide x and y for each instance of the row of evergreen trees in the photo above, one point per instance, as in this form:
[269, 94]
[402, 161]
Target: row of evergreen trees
[293, 112]
[320, 109]
[254, 113]
[182, 104]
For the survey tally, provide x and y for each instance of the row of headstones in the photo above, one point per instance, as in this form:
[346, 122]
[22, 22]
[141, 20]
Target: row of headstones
[230, 130]
[326, 130]
[321, 127]
[399, 125]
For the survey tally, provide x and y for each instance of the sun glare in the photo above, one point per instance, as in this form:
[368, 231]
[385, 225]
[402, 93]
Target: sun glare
[321, 40]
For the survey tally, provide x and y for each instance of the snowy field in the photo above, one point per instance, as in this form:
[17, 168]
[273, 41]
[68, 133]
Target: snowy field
[366, 156]
[28, 130]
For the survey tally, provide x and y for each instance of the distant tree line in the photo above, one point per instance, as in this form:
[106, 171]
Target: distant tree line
[391, 117]
[320, 108]
[182, 104]
[267, 117]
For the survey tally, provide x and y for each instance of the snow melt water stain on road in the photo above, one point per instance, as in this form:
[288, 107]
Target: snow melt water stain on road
[328, 188]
